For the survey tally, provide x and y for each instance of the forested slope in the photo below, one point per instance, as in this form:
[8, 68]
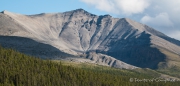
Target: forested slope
[17, 69]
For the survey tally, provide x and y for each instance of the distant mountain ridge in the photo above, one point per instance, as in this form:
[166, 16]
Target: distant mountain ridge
[78, 33]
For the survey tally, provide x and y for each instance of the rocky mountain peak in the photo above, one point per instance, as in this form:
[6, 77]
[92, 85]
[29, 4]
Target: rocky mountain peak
[4, 11]
[78, 31]
[108, 16]
[82, 11]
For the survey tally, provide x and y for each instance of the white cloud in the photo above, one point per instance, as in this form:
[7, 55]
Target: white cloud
[160, 20]
[119, 6]
[103, 5]
[132, 6]
[175, 34]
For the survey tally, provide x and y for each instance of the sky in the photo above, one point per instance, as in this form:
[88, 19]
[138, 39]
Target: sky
[162, 15]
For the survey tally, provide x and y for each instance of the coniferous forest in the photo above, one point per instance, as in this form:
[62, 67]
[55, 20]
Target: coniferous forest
[17, 69]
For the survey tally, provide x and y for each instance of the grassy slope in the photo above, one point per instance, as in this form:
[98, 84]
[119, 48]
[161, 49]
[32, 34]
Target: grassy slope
[145, 71]
[88, 66]
[172, 64]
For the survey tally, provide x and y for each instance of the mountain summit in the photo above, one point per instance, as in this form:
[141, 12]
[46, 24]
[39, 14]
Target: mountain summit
[83, 36]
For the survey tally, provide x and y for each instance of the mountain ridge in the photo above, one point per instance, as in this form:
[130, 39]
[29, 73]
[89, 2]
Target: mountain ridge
[77, 32]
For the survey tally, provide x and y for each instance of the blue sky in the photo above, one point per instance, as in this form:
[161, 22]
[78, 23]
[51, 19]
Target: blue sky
[162, 15]
[45, 6]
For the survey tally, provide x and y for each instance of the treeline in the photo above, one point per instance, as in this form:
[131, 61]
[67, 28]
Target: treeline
[17, 69]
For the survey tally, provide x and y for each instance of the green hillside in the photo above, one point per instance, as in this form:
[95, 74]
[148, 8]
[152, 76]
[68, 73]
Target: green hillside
[17, 69]
[172, 64]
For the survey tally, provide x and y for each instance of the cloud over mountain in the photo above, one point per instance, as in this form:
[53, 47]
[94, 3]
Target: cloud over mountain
[127, 7]
[160, 14]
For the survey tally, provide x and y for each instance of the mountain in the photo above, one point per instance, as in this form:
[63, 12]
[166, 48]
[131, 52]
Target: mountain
[80, 36]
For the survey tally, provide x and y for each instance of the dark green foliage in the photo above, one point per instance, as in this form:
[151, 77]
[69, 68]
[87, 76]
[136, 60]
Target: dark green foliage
[17, 69]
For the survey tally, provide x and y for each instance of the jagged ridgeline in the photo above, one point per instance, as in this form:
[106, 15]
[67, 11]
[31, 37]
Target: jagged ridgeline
[17, 69]
[104, 40]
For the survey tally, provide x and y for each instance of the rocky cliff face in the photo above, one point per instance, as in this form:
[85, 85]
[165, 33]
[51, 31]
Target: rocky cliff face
[78, 32]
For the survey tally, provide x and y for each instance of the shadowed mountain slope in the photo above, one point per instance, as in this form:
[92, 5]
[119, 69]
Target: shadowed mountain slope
[79, 32]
